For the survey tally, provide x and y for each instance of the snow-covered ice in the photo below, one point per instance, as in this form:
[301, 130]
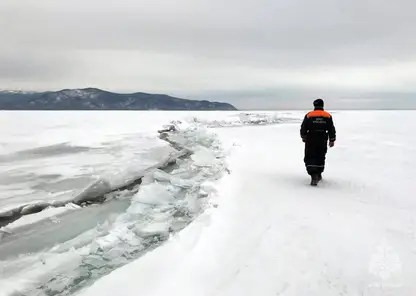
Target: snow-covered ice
[269, 233]
[52, 159]
[236, 217]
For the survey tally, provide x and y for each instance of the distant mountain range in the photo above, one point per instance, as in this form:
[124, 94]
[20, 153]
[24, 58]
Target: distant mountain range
[97, 99]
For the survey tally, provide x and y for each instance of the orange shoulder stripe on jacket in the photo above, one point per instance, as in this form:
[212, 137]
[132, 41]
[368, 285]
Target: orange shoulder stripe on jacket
[318, 113]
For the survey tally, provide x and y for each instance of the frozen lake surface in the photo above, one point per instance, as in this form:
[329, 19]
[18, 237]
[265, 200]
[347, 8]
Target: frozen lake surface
[236, 216]
[49, 160]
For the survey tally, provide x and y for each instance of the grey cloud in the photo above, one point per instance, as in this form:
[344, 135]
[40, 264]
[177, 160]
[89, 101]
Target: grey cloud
[20, 65]
[297, 99]
[264, 37]
[283, 33]
[23, 66]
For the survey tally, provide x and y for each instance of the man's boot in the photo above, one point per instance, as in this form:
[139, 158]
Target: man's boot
[314, 179]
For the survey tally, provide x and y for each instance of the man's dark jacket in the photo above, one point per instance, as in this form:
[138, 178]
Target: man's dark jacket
[318, 126]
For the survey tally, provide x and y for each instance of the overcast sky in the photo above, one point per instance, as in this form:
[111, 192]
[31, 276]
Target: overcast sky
[269, 52]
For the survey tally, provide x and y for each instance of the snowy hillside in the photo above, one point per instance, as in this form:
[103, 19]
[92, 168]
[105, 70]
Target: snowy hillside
[97, 99]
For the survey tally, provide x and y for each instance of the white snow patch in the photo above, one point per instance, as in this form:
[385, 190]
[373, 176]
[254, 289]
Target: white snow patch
[273, 234]
[155, 194]
[204, 157]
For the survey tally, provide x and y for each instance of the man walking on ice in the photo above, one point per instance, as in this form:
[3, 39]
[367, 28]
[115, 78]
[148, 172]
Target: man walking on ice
[316, 129]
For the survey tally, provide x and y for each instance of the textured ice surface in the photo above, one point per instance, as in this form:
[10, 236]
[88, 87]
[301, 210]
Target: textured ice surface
[271, 233]
[52, 157]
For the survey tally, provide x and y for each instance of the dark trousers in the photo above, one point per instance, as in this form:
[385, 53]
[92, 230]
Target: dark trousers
[315, 154]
